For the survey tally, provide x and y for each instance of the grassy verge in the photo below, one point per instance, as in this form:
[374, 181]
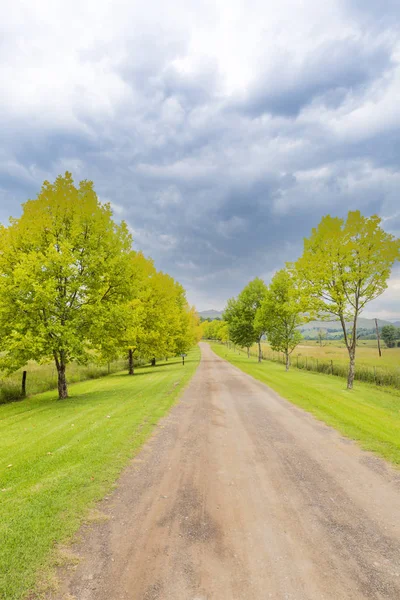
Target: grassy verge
[367, 414]
[370, 368]
[58, 458]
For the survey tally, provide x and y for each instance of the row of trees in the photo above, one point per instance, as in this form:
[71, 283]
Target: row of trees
[275, 311]
[73, 289]
[345, 264]
[215, 330]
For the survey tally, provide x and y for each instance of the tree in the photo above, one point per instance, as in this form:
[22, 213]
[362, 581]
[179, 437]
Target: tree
[390, 334]
[223, 331]
[63, 267]
[240, 314]
[322, 337]
[345, 265]
[240, 332]
[215, 330]
[187, 332]
[130, 318]
[155, 321]
[161, 322]
[281, 313]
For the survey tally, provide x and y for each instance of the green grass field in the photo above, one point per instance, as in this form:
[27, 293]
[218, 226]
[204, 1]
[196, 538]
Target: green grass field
[367, 354]
[57, 458]
[367, 414]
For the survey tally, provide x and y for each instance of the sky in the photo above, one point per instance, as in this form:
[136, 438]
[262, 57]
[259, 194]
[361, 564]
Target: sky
[221, 131]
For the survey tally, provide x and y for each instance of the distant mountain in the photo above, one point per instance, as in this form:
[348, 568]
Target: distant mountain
[332, 326]
[336, 325]
[210, 314]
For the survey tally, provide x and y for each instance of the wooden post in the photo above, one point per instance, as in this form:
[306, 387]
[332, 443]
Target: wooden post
[23, 388]
[378, 338]
[331, 367]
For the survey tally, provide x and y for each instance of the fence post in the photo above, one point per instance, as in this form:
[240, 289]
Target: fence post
[23, 387]
[331, 367]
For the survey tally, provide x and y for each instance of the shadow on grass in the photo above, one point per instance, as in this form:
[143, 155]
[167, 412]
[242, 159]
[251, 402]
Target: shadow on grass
[82, 398]
[167, 364]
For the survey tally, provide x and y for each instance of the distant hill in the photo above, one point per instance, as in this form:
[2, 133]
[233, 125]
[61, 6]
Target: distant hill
[312, 328]
[210, 314]
[336, 325]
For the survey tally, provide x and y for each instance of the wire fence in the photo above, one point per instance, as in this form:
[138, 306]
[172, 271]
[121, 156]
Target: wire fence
[371, 374]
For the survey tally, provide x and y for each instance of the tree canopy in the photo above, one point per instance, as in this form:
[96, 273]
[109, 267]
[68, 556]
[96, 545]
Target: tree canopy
[215, 330]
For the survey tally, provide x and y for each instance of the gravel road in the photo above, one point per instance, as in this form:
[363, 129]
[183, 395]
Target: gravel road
[239, 495]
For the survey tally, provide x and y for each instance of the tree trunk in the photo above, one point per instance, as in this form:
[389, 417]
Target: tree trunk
[23, 387]
[287, 360]
[259, 351]
[351, 345]
[248, 352]
[153, 362]
[130, 363]
[352, 370]
[62, 380]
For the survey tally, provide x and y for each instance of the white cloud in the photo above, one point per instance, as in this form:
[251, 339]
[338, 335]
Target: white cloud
[386, 306]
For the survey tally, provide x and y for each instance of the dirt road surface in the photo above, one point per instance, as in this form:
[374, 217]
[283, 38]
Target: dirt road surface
[240, 495]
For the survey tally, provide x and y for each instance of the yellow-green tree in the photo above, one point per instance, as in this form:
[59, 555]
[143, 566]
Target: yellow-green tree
[63, 269]
[215, 330]
[345, 265]
[281, 312]
[240, 314]
[160, 320]
[187, 332]
[125, 331]
[157, 319]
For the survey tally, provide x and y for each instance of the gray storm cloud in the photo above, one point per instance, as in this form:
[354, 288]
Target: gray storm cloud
[221, 132]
